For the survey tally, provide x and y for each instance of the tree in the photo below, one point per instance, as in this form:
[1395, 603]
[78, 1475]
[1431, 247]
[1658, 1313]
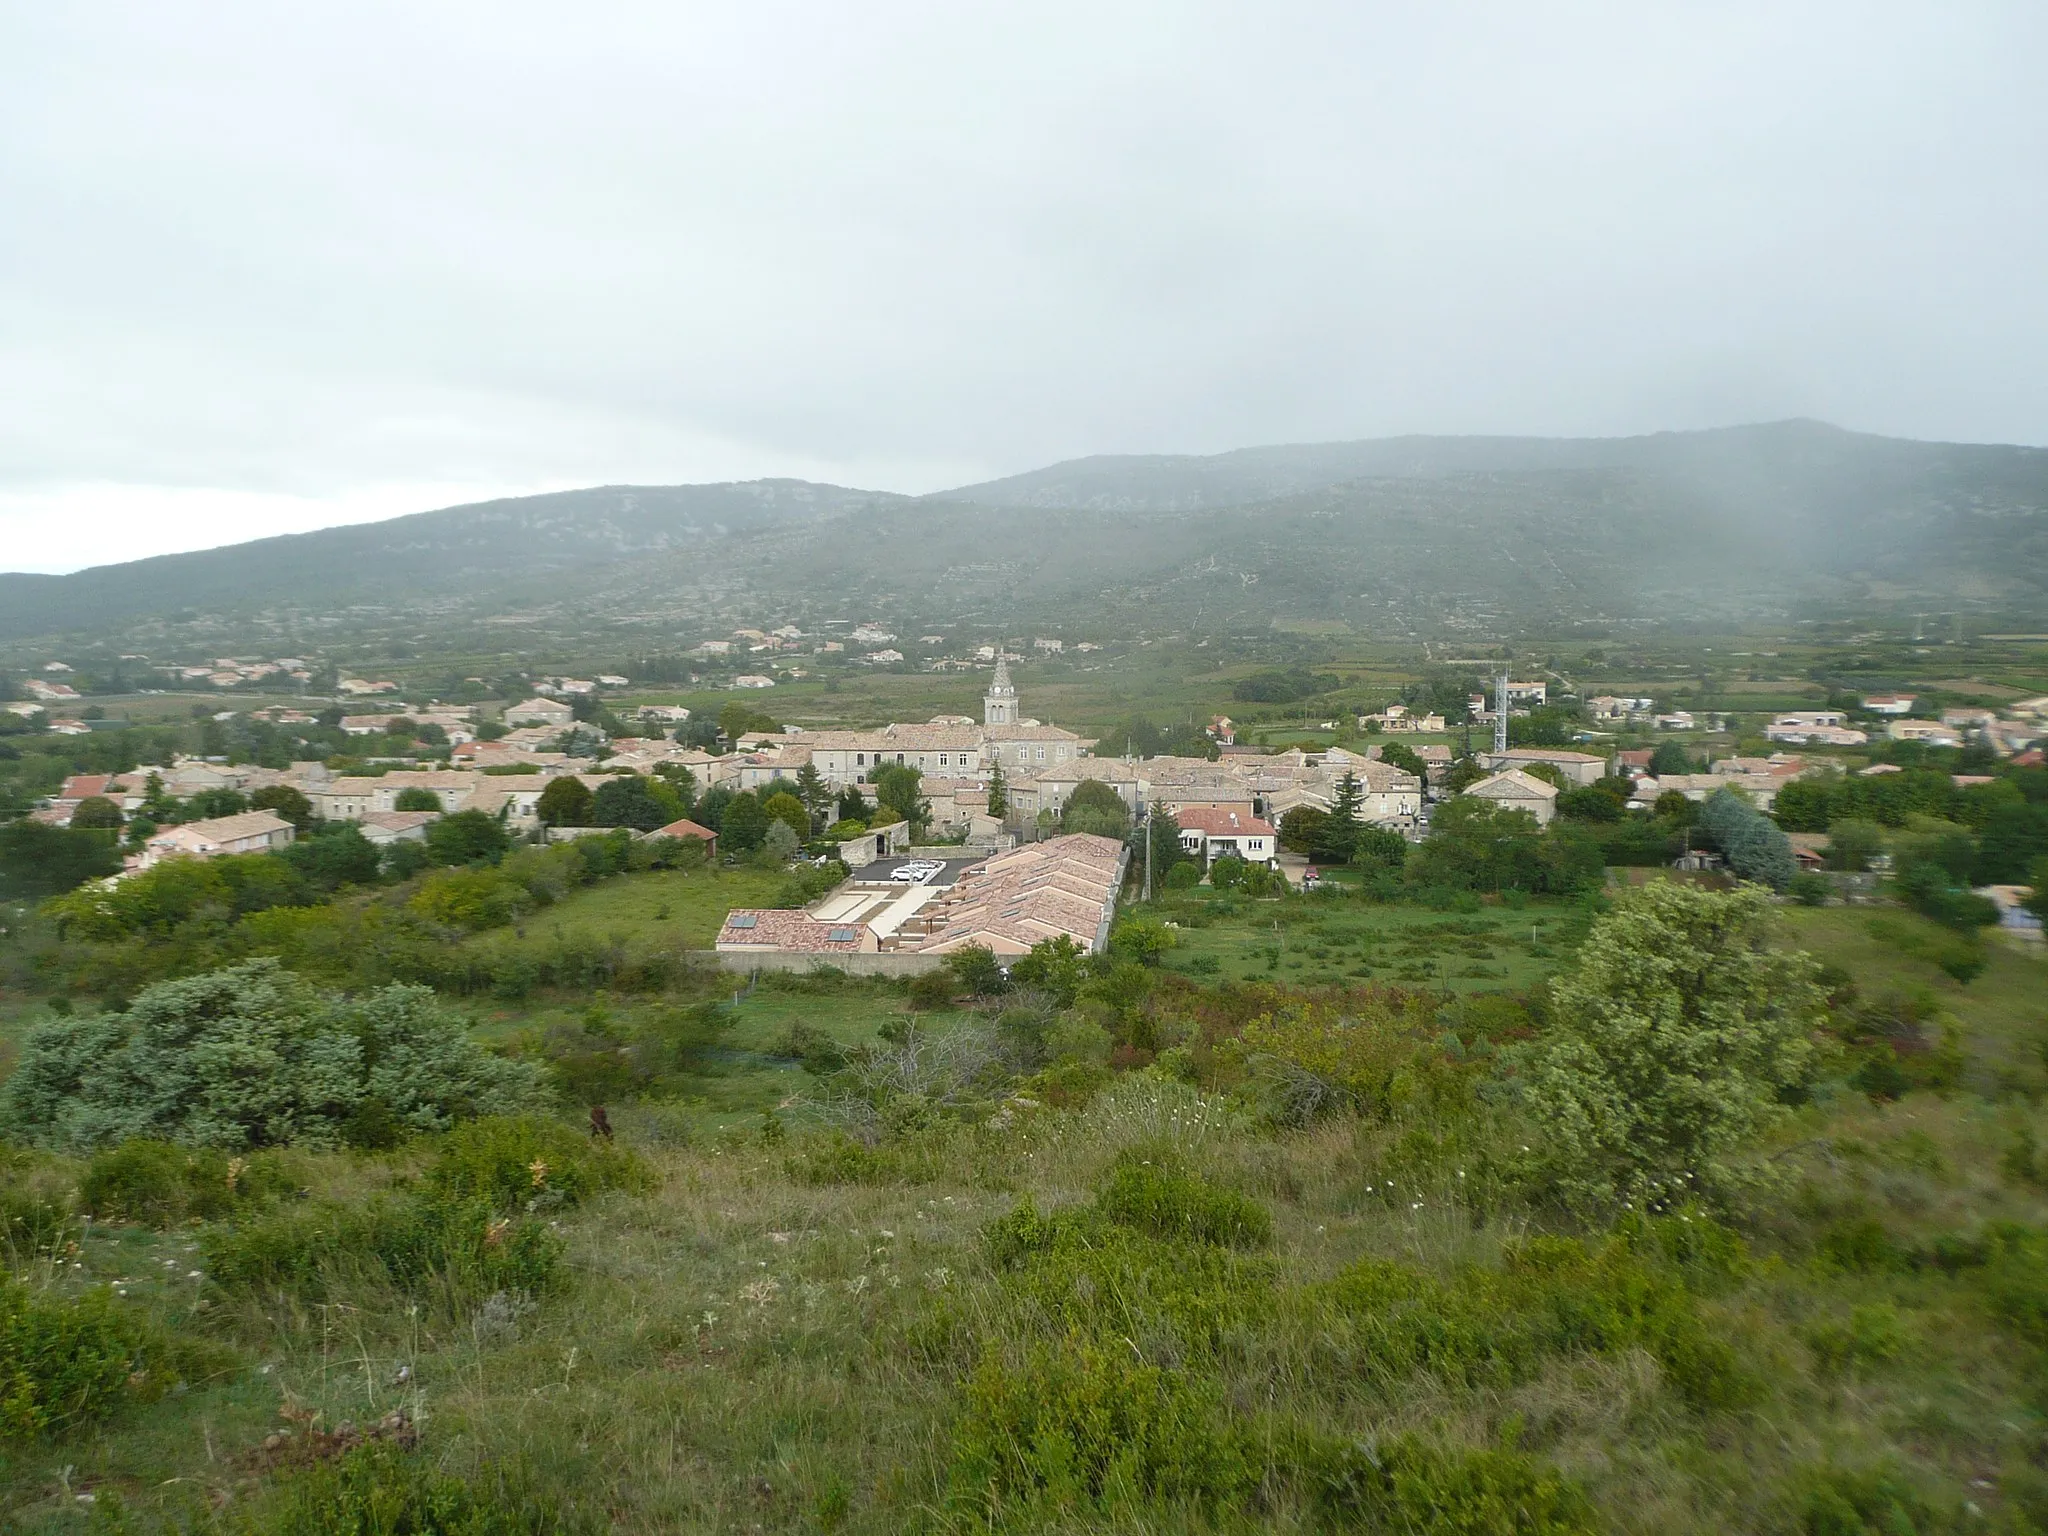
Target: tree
[1167, 853]
[1670, 758]
[740, 718]
[336, 857]
[96, 813]
[1754, 845]
[1334, 841]
[1302, 828]
[1852, 843]
[1589, 803]
[294, 807]
[788, 809]
[896, 792]
[1670, 1047]
[1463, 774]
[38, 860]
[209, 803]
[413, 798]
[779, 842]
[998, 792]
[744, 825]
[976, 969]
[627, 801]
[853, 805]
[1398, 755]
[564, 803]
[466, 838]
[1095, 808]
[1056, 966]
[814, 794]
[1379, 848]
[710, 810]
[683, 784]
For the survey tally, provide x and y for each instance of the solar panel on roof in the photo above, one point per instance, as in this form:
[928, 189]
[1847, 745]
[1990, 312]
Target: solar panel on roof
[840, 936]
[740, 920]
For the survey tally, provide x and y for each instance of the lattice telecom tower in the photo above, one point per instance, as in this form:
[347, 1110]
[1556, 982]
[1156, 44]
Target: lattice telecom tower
[1500, 712]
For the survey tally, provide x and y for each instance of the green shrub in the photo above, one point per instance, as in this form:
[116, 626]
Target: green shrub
[1402, 1484]
[66, 1362]
[457, 1251]
[1868, 1335]
[1872, 1501]
[38, 1209]
[252, 1056]
[1158, 1198]
[156, 1184]
[1553, 1296]
[380, 1490]
[524, 1162]
[840, 1159]
[1084, 1425]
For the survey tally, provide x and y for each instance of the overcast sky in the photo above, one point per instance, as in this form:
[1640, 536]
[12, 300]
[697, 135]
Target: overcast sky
[268, 267]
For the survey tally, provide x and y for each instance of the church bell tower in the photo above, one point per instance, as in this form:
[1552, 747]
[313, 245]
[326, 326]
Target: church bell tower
[999, 704]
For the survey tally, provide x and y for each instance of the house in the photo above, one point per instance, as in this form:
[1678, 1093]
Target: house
[1065, 886]
[1633, 763]
[64, 725]
[688, 828]
[1677, 720]
[1927, 732]
[1577, 767]
[50, 693]
[1395, 718]
[885, 657]
[250, 832]
[1211, 834]
[1889, 703]
[359, 688]
[785, 932]
[611, 680]
[1817, 727]
[667, 714]
[1608, 709]
[386, 827]
[1519, 791]
[536, 711]
[753, 680]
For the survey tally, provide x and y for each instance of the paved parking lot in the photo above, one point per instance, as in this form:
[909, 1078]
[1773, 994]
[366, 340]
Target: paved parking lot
[878, 873]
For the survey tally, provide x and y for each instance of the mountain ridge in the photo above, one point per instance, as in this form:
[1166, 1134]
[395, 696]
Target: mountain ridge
[1732, 519]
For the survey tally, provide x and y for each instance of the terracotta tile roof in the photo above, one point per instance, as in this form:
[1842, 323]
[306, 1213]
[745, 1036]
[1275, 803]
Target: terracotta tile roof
[1221, 823]
[767, 928]
[685, 828]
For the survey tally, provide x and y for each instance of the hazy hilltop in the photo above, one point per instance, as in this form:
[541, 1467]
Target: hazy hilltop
[489, 551]
[1416, 534]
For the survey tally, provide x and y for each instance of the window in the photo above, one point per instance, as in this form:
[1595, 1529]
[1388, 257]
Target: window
[740, 920]
[840, 936]
[860, 759]
[942, 759]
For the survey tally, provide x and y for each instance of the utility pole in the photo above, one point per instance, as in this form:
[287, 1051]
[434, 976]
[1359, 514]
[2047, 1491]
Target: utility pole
[1500, 713]
[1148, 852]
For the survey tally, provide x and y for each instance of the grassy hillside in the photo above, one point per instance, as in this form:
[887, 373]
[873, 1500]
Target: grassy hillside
[1209, 1320]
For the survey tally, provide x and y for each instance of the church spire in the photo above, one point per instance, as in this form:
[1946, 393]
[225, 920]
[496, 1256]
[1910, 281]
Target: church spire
[999, 704]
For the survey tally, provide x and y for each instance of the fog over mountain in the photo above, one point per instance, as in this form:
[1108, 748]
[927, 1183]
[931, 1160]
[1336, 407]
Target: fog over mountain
[1405, 534]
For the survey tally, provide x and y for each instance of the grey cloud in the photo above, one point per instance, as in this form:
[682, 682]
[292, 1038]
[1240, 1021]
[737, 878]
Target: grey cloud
[308, 250]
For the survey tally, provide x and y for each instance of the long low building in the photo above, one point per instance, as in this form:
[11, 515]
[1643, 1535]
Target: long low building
[1063, 887]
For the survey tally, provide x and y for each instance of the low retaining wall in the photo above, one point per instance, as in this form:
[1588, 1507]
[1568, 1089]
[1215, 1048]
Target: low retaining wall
[885, 964]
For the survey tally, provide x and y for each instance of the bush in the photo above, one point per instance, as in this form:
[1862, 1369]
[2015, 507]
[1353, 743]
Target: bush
[156, 1184]
[251, 1056]
[515, 1163]
[1553, 1297]
[1811, 889]
[67, 1362]
[933, 989]
[457, 1251]
[1083, 1425]
[378, 1489]
[1160, 1199]
[1401, 1484]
